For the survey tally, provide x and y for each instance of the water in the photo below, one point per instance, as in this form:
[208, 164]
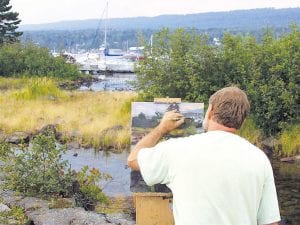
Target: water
[115, 82]
[113, 164]
[287, 180]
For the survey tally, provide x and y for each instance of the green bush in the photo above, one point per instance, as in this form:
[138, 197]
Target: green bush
[31, 60]
[90, 193]
[38, 169]
[14, 217]
[183, 64]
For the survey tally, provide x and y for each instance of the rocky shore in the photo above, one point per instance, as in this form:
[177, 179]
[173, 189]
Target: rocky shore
[71, 139]
[39, 213]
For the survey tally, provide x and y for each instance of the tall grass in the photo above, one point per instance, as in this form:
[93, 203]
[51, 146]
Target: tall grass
[250, 132]
[12, 83]
[39, 88]
[290, 140]
[80, 116]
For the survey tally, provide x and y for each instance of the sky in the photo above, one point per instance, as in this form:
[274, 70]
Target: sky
[47, 11]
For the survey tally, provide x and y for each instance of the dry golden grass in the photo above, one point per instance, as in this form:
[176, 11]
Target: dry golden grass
[81, 114]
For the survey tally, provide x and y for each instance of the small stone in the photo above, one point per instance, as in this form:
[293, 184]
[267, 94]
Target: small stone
[18, 138]
[4, 208]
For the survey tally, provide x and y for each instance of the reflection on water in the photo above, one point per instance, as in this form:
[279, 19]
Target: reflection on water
[287, 179]
[113, 164]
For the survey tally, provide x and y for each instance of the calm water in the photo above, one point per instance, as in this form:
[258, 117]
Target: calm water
[116, 82]
[113, 164]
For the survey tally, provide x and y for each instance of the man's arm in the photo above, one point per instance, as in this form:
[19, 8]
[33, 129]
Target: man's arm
[272, 223]
[169, 122]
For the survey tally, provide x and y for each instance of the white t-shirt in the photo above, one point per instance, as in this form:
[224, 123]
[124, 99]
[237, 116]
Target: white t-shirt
[217, 178]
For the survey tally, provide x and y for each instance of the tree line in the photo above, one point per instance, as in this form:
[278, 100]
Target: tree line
[183, 64]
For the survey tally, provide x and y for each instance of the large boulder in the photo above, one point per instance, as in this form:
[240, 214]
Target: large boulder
[18, 138]
[269, 144]
[69, 216]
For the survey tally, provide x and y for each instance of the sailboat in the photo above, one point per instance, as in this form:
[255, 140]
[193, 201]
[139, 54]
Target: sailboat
[104, 46]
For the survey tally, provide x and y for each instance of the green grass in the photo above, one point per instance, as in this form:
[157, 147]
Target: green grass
[39, 88]
[15, 217]
[290, 140]
[250, 132]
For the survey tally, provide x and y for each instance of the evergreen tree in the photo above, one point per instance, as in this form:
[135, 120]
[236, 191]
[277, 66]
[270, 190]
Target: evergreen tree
[8, 23]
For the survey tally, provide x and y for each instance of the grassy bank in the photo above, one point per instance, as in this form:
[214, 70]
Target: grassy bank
[85, 117]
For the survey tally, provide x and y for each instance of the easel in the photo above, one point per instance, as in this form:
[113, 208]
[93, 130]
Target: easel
[153, 208]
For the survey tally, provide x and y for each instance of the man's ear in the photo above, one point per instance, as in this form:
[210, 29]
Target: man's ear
[209, 112]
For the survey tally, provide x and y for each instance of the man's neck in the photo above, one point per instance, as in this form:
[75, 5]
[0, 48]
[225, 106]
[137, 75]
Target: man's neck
[214, 126]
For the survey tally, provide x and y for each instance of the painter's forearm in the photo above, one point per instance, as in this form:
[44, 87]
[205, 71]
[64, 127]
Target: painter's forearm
[148, 141]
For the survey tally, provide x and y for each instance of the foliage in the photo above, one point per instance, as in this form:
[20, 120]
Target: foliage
[14, 217]
[90, 193]
[38, 169]
[39, 88]
[250, 132]
[31, 60]
[183, 64]
[290, 140]
[8, 23]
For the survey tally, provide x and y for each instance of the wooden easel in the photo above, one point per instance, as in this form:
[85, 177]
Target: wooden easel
[153, 208]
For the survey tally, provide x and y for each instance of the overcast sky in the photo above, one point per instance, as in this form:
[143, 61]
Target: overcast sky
[45, 11]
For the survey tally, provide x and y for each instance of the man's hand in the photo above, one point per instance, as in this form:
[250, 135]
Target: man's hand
[170, 121]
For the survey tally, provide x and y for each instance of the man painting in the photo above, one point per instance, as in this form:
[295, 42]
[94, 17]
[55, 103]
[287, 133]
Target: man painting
[217, 178]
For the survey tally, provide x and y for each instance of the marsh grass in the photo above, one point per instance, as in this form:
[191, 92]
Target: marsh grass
[12, 83]
[290, 140]
[80, 116]
[35, 88]
[251, 132]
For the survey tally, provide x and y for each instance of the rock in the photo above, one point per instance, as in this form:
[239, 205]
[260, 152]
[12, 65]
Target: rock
[73, 145]
[295, 158]
[70, 216]
[31, 204]
[120, 218]
[268, 145]
[4, 208]
[18, 138]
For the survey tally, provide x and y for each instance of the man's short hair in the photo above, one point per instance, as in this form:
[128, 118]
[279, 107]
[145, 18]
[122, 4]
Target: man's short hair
[230, 106]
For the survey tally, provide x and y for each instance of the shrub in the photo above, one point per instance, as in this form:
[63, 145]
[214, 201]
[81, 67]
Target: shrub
[14, 217]
[90, 193]
[32, 60]
[38, 169]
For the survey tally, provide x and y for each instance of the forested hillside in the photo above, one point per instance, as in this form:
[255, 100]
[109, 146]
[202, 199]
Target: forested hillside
[89, 34]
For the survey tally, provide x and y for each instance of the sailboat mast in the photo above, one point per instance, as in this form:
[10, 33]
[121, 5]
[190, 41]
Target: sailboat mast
[105, 25]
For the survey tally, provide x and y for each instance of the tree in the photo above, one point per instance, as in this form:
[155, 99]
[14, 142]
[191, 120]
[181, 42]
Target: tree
[9, 22]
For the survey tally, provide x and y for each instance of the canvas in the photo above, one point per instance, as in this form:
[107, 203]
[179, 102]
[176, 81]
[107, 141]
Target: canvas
[147, 115]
